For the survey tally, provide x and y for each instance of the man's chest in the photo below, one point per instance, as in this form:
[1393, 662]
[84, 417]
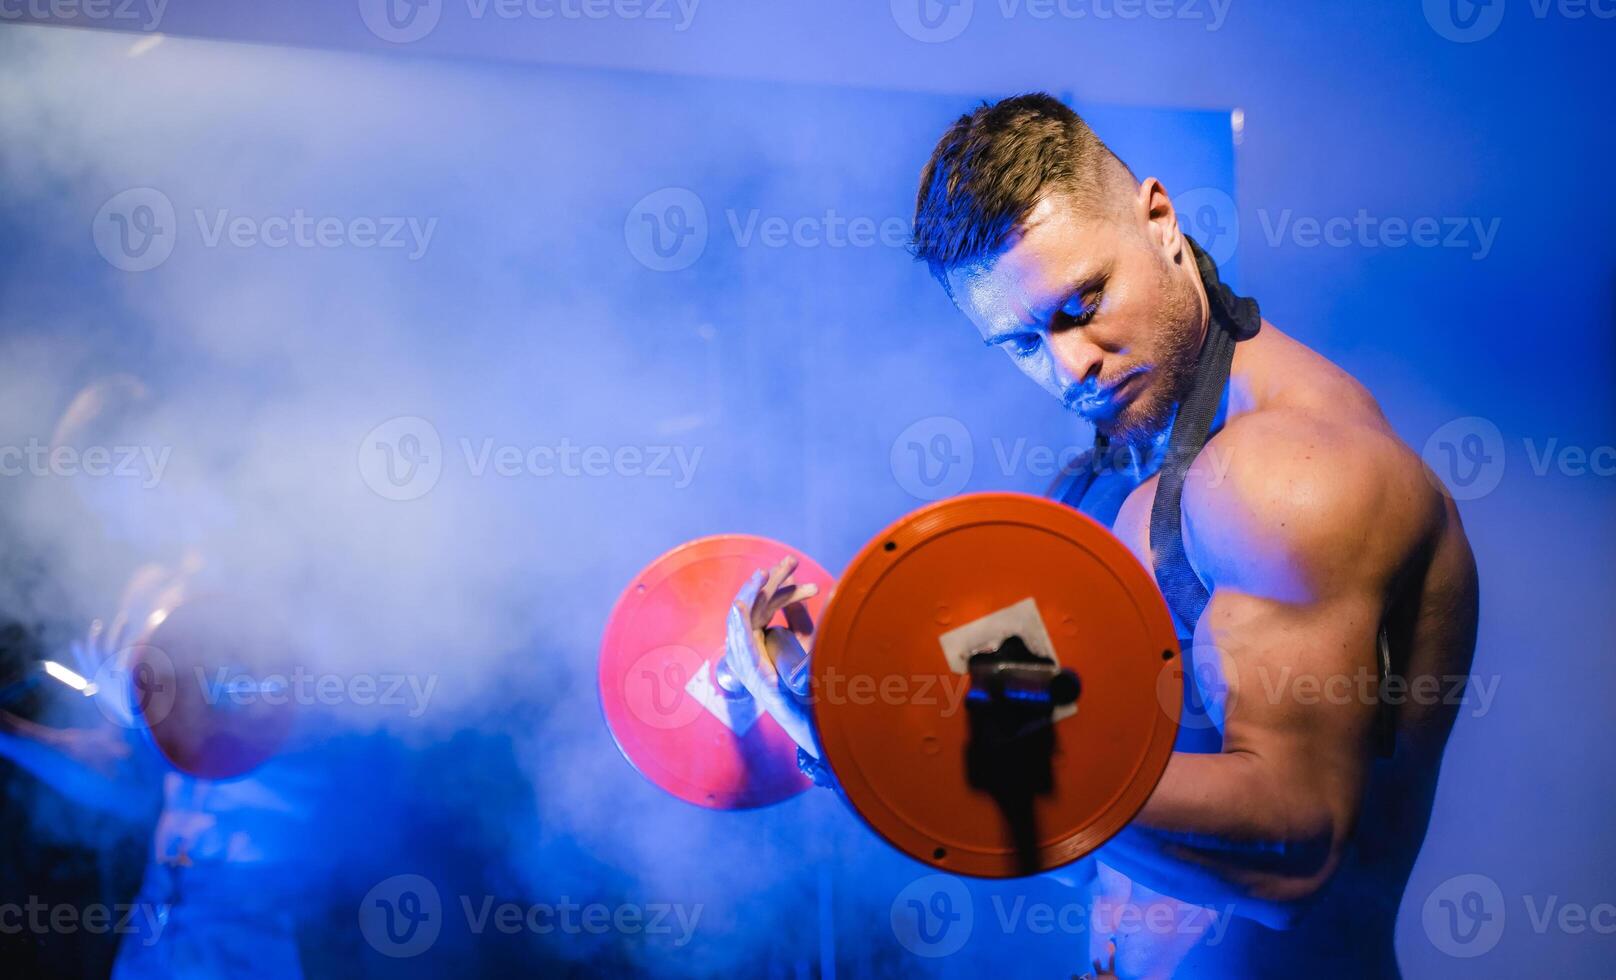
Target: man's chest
[1124, 503]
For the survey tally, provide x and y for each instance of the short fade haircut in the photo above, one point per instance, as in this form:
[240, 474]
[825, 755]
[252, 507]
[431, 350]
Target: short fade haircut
[993, 166]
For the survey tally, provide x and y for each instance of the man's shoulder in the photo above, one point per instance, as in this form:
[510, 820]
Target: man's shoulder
[1294, 492]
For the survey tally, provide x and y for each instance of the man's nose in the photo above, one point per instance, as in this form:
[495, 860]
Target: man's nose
[1077, 360]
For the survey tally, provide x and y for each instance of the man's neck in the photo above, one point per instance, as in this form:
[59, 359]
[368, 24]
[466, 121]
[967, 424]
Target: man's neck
[1146, 453]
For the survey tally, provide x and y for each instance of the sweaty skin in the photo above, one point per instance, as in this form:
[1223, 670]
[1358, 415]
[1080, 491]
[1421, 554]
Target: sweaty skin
[1311, 524]
[1324, 525]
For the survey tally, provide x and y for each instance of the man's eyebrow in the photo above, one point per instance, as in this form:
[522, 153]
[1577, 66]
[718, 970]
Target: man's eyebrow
[1080, 285]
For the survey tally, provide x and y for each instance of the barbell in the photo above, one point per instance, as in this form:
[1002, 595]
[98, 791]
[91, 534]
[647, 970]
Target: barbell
[984, 683]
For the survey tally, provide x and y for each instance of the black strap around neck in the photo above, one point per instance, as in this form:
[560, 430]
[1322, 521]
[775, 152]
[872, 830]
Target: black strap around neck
[1233, 319]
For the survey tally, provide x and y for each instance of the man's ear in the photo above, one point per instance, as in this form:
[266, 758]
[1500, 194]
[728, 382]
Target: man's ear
[1161, 218]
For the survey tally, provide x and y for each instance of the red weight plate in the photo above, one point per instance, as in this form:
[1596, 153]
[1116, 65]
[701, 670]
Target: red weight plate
[897, 741]
[664, 635]
[212, 683]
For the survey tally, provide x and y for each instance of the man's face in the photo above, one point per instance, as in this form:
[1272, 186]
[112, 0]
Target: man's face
[1102, 312]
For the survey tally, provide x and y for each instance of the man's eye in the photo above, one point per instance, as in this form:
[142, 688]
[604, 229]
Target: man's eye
[1080, 311]
[1024, 345]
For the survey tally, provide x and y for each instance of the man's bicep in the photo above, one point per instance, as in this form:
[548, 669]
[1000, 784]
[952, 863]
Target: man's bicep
[1265, 819]
[1293, 686]
[1302, 544]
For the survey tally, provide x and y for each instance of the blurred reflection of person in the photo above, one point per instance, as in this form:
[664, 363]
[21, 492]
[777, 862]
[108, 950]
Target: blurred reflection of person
[222, 877]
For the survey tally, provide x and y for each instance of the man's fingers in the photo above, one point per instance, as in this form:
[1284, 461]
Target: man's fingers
[778, 577]
[747, 597]
[81, 660]
[761, 596]
[787, 597]
[790, 661]
[780, 573]
[798, 620]
[745, 656]
[760, 656]
[739, 626]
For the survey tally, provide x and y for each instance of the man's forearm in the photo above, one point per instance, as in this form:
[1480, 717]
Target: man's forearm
[33, 747]
[1222, 829]
[47, 763]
